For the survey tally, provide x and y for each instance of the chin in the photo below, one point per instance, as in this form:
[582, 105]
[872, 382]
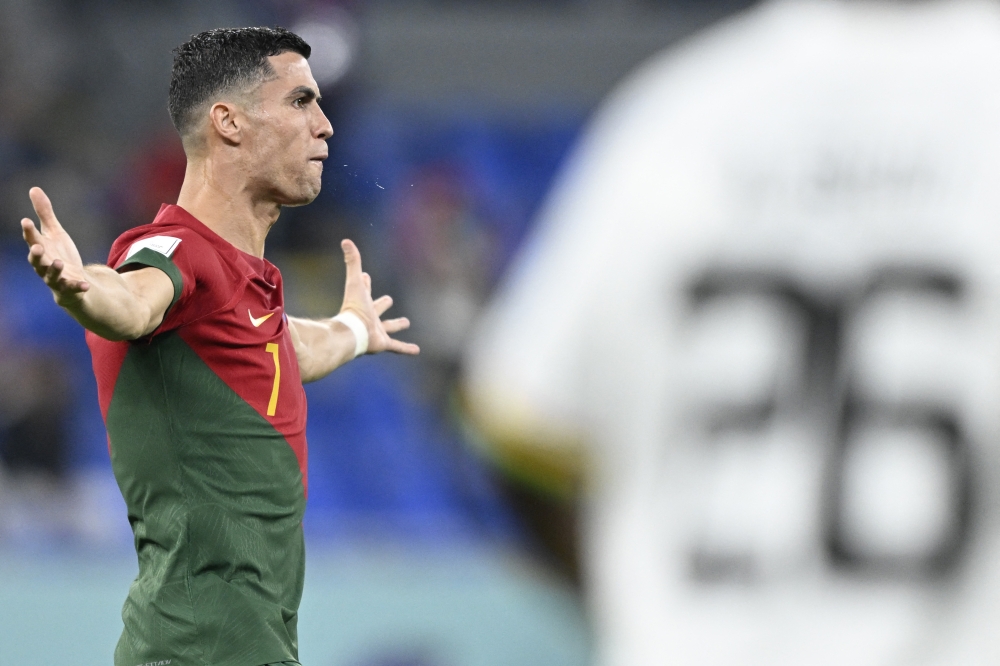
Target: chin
[303, 196]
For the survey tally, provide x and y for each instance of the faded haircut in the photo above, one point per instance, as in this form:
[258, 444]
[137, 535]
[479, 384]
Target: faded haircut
[220, 61]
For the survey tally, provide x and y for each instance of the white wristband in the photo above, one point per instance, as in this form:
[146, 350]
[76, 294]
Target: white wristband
[353, 322]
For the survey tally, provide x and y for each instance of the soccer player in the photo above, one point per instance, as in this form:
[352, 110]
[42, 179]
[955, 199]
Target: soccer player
[760, 315]
[199, 368]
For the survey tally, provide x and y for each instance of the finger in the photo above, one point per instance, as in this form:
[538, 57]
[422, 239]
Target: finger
[43, 208]
[36, 250]
[68, 287]
[395, 325]
[56, 281]
[53, 272]
[382, 304]
[367, 279]
[73, 286]
[29, 232]
[352, 258]
[400, 347]
[38, 260]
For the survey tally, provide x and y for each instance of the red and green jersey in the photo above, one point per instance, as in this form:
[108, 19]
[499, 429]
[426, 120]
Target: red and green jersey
[206, 424]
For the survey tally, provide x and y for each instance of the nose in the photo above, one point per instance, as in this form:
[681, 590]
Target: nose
[324, 130]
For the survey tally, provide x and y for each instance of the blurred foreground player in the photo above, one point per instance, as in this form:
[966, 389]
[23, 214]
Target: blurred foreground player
[764, 303]
[200, 369]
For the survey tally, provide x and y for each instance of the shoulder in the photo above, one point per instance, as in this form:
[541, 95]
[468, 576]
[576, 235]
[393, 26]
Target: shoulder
[203, 267]
[179, 240]
[163, 238]
[711, 75]
[783, 43]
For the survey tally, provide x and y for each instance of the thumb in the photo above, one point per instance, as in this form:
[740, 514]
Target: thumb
[352, 259]
[43, 209]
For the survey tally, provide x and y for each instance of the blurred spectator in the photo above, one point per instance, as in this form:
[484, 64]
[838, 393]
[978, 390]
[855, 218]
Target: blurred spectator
[758, 324]
[35, 401]
[33, 413]
[446, 255]
[153, 178]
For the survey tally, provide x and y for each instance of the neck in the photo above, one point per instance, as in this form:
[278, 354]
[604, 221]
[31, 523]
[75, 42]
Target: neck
[221, 199]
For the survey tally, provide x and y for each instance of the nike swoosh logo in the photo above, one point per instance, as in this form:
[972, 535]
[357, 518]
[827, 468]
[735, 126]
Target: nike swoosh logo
[258, 322]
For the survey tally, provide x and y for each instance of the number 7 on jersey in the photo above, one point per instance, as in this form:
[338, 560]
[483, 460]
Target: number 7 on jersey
[272, 348]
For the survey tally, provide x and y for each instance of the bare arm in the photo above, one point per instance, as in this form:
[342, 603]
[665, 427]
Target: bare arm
[115, 306]
[323, 345]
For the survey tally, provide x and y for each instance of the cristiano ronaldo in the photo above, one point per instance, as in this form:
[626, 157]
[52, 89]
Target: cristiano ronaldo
[199, 368]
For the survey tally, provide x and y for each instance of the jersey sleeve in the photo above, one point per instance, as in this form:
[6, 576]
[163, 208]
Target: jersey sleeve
[198, 274]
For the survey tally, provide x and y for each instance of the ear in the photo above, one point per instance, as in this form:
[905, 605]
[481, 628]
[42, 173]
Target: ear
[227, 122]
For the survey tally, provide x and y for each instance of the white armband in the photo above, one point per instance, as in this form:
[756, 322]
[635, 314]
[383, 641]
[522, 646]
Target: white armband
[353, 322]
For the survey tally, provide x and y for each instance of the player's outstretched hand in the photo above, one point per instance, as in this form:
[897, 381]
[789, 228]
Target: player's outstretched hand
[52, 253]
[358, 299]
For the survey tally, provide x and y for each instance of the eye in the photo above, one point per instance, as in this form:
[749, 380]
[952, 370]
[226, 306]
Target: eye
[300, 102]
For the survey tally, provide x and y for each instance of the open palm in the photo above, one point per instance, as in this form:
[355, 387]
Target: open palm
[52, 253]
[358, 299]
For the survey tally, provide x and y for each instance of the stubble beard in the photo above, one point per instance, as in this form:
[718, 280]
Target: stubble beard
[297, 190]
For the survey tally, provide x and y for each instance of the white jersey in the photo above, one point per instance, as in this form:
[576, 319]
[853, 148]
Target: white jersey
[766, 293]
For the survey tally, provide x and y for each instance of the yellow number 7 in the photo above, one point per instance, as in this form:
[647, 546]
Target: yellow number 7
[273, 405]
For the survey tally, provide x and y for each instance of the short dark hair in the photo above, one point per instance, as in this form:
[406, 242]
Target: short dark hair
[219, 60]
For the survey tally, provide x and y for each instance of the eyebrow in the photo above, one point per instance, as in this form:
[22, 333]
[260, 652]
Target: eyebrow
[307, 92]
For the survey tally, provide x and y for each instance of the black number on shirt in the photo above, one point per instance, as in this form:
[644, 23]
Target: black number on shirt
[853, 429]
